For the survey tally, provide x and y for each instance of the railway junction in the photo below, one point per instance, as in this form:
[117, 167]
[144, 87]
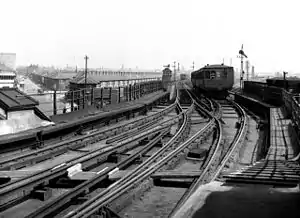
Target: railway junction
[164, 152]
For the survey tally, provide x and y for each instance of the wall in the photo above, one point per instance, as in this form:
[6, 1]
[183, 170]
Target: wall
[51, 83]
[269, 94]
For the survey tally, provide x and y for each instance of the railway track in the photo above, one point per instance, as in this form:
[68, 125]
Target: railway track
[100, 201]
[136, 176]
[87, 203]
[219, 155]
[36, 156]
[15, 190]
[12, 146]
[51, 208]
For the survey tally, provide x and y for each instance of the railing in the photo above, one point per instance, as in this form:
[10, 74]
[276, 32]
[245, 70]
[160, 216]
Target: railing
[292, 107]
[58, 102]
[108, 95]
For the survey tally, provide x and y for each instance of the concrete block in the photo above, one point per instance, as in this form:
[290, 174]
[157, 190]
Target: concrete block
[43, 194]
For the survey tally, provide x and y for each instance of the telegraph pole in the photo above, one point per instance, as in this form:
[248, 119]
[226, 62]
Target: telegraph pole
[85, 75]
[178, 67]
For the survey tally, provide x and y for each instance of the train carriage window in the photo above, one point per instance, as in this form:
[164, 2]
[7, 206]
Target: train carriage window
[212, 74]
[218, 74]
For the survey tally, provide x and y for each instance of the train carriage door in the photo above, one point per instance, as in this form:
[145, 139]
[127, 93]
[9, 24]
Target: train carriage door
[225, 73]
[218, 75]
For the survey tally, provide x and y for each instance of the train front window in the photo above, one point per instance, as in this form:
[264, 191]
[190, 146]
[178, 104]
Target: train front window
[225, 73]
[212, 74]
[207, 75]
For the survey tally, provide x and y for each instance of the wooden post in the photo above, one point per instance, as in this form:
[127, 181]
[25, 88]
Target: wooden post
[133, 92]
[83, 98]
[92, 96]
[110, 94]
[119, 92]
[72, 101]
[130, 92]
[54, 103]
[101, 99]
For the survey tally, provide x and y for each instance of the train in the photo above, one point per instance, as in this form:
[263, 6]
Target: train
[183, 76]
[213, 80]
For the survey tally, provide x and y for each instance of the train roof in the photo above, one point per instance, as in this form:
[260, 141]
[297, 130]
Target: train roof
[213, 66]
[167, 69]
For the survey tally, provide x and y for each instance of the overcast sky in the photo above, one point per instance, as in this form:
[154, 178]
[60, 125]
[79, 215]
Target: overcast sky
[151, 33]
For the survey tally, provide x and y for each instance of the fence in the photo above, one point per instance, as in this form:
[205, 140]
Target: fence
[59, 102]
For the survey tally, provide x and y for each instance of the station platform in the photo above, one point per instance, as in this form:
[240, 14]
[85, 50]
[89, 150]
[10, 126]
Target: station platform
[217, 199]
[91, 110]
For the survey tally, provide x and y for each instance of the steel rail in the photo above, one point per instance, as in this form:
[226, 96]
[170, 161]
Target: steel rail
[235, 141]
[48, 209]
[28, 183]
[93, 207]
[198, 182]
[55, 204]
[212, 153]
[141, 167]
[131, 178]
[77, 142]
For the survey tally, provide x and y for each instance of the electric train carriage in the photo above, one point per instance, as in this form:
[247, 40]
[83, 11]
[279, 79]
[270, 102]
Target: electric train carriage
[213, 80]
[183, 76]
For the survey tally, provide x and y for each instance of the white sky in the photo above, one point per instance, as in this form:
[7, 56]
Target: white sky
[152, 33]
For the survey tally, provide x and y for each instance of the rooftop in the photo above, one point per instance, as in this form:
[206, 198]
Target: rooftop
[216, 66]
[95, 79]
[14, 99]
